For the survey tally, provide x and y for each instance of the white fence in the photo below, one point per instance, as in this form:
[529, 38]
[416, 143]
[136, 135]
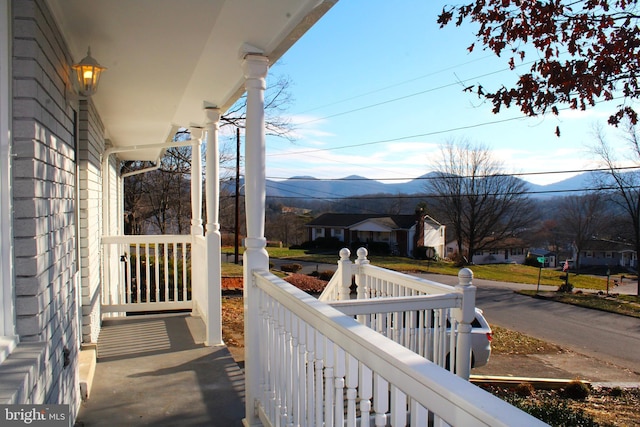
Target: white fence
[321, 367]
[429, 318]
[152, 273]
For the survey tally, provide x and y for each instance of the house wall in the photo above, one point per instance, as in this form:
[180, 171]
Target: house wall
[434, 237]
[90, 147]
[498, 256]
[44, 190]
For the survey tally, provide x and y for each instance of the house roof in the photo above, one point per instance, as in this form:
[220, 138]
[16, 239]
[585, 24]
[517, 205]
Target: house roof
[607, 246]
[395, 222]
[167, 59]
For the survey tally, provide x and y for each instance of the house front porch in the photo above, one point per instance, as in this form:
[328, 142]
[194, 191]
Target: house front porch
[156, 370]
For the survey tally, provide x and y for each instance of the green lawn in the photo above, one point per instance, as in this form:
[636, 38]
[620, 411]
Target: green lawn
[516, 273]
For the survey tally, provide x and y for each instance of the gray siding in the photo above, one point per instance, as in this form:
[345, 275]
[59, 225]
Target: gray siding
[91, 145]
[44, 191]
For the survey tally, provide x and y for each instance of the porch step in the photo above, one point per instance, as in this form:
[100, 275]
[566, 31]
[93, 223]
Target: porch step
[87, 367]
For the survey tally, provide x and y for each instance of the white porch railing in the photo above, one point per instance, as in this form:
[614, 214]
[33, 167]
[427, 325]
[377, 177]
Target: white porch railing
[321, 367]
[147, 273]
[429, 318]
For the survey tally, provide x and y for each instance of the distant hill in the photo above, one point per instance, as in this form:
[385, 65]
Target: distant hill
[354, 186]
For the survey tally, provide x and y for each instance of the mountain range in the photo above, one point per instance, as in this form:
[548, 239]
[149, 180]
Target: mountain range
[354, 186]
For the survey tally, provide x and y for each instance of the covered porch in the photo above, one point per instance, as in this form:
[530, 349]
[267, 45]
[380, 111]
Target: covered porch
[375, 360]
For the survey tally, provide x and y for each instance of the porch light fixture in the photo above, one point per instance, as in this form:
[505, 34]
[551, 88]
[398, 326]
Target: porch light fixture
[88, 73]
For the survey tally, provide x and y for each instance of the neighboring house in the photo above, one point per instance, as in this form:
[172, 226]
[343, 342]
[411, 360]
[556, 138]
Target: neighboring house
[403, 233]
[598, 252]
[511, 251]
[62, 243]
[550, 258]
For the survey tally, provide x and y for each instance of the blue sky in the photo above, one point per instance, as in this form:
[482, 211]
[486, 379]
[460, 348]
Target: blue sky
[377, 90]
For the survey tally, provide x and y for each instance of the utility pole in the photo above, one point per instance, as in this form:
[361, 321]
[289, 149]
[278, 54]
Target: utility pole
[237, 224]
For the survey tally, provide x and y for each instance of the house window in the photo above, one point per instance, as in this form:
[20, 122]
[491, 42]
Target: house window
[336, 232]
[319, 232]
[589, 254]
[517, 251]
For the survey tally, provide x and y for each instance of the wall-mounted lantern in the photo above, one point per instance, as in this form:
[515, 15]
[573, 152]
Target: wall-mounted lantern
[88, 73]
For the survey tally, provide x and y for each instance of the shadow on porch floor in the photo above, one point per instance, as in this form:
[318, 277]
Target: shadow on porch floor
[155, 370]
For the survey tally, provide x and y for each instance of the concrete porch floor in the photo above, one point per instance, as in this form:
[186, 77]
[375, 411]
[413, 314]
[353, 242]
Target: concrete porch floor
[156, 371]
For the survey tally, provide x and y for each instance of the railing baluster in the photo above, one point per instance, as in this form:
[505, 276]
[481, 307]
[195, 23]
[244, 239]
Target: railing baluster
[282, 371]
[147, 277]
[174, 260]
[301, 374]
[380, 400]
[328, 384]
[184, 271]
[419, 414]
[398, 407]
[274, 335]
[365, 388]
[128, 295]
[158, 259]
[338, 382]
[319, 369]
[166, 272]
[351, 382]
[293, 372]
[310, 368]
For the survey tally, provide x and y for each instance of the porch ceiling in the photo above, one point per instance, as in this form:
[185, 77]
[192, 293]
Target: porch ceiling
[166, 59]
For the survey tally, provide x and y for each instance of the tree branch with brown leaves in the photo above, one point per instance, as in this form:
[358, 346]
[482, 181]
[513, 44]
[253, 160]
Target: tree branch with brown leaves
[588, 51]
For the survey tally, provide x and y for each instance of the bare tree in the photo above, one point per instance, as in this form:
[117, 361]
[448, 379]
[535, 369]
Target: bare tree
[481, 204]
[159, 200]
[582, 217]
[622, 185]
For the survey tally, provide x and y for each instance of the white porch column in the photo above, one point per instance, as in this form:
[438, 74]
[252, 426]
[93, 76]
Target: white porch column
[212, 236]
[255, 256]
[196, 188]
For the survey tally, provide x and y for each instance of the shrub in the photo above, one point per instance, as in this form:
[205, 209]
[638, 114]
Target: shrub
[565, 287]
[552, 413]
[323, 244]
[424, 252]
[325, 275]
[532, 261]
[576, 390]
[374, 248]
[616, 391]
[291, 268]
[306, 283]
[524, 389]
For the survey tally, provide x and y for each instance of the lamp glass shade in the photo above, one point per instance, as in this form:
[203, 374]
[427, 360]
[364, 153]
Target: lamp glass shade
[88, 74]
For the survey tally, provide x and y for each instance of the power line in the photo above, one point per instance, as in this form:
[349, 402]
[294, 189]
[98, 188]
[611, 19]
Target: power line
[428, 195]
[396, 84]
[411, 95]
[316, 150]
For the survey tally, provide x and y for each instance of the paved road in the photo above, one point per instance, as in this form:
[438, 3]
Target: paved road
[605, 336]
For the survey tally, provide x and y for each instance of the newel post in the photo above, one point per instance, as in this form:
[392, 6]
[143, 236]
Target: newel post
[344, 270]
[464, 316]
[360, 276]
